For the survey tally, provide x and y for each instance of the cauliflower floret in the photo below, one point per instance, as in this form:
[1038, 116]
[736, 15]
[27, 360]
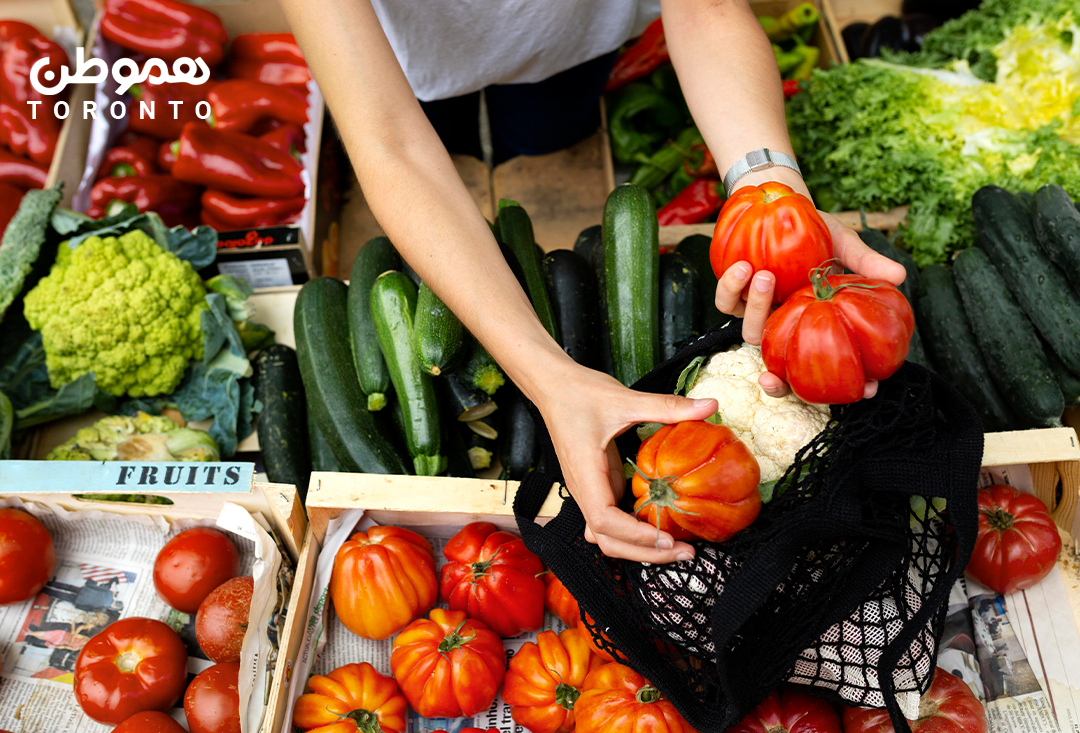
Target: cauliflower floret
[123, 308]
[773, 429]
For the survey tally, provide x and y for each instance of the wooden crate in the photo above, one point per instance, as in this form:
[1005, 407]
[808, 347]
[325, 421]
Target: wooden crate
[1053, 457]
[839, 13]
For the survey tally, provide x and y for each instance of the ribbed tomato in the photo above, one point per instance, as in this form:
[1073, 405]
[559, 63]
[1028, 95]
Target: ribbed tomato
[773, 228]
[558, 601]
[382, 580]
[696, 480]
[1018, 542]
[828, 339]
[616, 699]
[493, 577]
[788, 711]
[545, 679]
[947, 707]
[447, 665]
[27, 556]
[352, 698]
[583, 625]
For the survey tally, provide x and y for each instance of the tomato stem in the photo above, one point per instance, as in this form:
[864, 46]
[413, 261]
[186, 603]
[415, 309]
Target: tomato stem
[364, 720]
[661, 495]
[823, 290]
[648, 694]
[454, 640]
[566, 695]
[482, 568]
[128, 661]
[999, 519]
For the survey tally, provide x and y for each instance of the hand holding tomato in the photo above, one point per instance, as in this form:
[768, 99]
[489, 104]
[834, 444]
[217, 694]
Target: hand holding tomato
[947, 707]
[192, 564]
[351, 698]
[1018, 542]
[27, 556]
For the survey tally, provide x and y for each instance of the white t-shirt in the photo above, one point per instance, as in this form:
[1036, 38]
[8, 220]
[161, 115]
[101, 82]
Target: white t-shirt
[452, 47]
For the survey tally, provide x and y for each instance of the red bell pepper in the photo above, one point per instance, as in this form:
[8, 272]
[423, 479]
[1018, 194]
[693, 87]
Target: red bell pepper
[120, 162]
[10, 198]
[237, 104]
[791, 88]
[694, 204]
[165, 29]
[226, 212]
[236, 163]
[175, 202]
[288, 138]
[145, 145]
[701, 163]
[166, 155]
[21, 172]
[29, 130]
[158, 97]
[643, 58]
[17, 29]
[272, 58]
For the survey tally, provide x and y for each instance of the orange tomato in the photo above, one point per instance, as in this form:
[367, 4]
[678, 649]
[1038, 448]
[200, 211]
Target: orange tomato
[382, 580]
[596, 649]
[352, 698]
[616, 699]
[559, 602]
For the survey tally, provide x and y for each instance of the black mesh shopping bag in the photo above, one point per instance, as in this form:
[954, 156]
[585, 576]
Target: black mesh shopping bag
[838, 589]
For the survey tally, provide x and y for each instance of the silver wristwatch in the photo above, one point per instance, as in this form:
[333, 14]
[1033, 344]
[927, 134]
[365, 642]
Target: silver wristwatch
[757, 160]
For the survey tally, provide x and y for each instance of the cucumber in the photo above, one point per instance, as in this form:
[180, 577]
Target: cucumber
[588, 240]
[1028, 200]
[517, 233]
[373, 259]
[322, 458]
[438, 333]
[520, 447]
[463, 401]
[1069, 382]
[393, 302]
[480, 370]
[331, 383]
[696, 249]
[632, 282]
[679, 303]
[951, 345]
[1057, 227]
[282, 424]
[571, 284]
[1007, 235]
[1007, 341]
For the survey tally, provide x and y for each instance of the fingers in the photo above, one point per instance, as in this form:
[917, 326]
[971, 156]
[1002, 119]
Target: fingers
[870, 390]
[618, 534]
[858, 257]
[669, 408]
[758, 306]
[729, 289]
[773, 385]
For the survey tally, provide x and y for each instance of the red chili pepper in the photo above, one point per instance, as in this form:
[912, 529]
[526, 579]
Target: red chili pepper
[157, 98]
[121, 162]
[165, 29]
[236, 163]
[701, 163]
[175, 201]
[166, 155]
[272, 58]
[21, 172]
[693, 205]
[791, 88]
[226, 212]
[288, 138]
[642, 58]
[10, 198]
[237, 104]
[30, 130]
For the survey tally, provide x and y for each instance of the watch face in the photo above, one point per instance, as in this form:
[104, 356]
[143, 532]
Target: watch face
[758, 158]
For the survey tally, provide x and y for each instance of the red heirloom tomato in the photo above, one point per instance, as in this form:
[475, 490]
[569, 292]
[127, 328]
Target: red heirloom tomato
[212, 700]
[773, 228]
[696, 480]
[790, 712]
[448, 666]
[192, 564]
[829, 338]
[545, 680]
[583, 627]
[1018, 542]
[133, 665]
[223, 619]
[352, 698]
[27, 556]
[493, 577]
[150, 721]
[947, 707]
[558, 601]
[383, 579]
[616, 699]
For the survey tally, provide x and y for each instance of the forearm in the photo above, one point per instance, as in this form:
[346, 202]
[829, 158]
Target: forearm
[412, 187]
[729, 76]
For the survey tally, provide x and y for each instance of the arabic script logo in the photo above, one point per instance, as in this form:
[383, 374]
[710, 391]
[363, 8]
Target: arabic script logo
[125, 73]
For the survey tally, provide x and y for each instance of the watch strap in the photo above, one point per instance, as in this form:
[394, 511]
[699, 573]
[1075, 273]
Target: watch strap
[757, 160]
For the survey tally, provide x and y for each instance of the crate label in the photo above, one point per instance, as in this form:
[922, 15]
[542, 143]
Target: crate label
[117, 477]
[271, 273]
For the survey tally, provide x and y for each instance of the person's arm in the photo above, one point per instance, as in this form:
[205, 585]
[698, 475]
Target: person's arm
[729, 76]
[413, 189]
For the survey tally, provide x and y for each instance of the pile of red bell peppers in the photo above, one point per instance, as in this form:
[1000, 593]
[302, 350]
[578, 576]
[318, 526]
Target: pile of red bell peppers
[27, 135]
[238, 169]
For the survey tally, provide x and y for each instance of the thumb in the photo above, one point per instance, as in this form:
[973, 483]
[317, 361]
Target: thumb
[671, 408]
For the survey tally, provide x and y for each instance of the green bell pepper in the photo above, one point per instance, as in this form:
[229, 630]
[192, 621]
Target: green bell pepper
[641, 118]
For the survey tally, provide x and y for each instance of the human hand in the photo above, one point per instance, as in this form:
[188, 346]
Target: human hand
[584, 416]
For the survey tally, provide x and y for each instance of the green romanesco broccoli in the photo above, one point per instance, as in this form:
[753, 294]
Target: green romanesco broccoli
[122, 308]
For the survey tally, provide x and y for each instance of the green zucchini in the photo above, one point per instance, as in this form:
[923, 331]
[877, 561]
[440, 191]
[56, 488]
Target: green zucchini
[438, 333]
[588, 240]
[951, 345]
[479, 449]
[322, 458]
[282, 424]
[480, 370]
[517, 233]
[520, 448]
[571, 284]
[1057, 227]
[463, 401]
[679, 303]
[373, 259]
[606, 363]
[393, 302]
[631, 274]
[696, 249]
[1007, 341]
[331, 383]
[1069, 382]
[1007, 235]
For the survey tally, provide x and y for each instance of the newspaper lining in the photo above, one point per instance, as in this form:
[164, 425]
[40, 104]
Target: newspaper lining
[104, 572]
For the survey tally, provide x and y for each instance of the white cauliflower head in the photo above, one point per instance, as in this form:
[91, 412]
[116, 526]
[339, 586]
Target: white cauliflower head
[774, 429]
